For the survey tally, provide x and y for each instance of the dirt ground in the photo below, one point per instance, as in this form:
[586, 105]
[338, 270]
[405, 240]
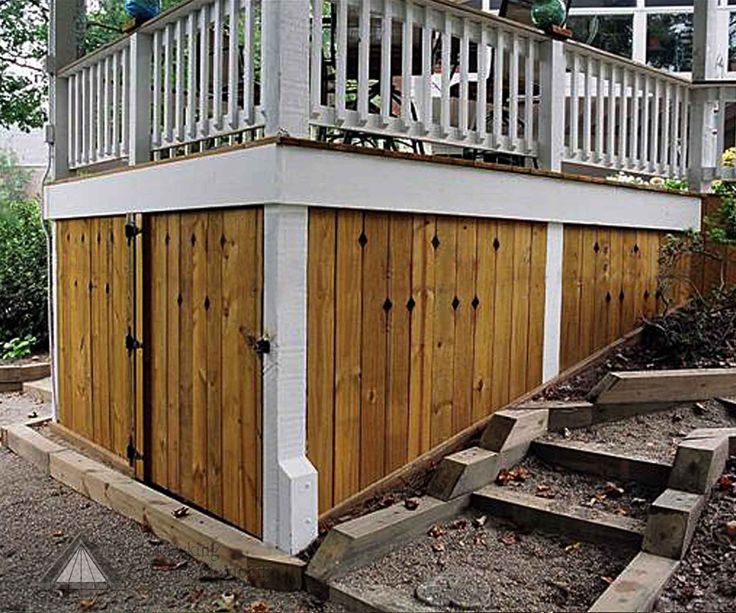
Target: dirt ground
[656, 435]
[706, 579]
[18, 408]
[567, 489]
[495, 567]
[40, 518]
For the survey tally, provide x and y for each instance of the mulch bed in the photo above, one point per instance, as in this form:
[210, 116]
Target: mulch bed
[654, 436]
[567, 489]
[34, 359]
[706, 579]
[493, 566]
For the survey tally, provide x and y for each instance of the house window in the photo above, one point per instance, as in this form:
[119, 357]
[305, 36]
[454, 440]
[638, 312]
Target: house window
[732, 42]
[670, 41]
[612, 33]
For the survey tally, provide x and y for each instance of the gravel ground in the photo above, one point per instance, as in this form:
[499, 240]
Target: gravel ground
[40, 518]
[654, 436]
[17, 408]
[568, 489]
[471, 564]
[706, 579]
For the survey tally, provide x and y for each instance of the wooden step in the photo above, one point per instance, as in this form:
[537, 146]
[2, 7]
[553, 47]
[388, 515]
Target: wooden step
[587, 458]
[541, 514]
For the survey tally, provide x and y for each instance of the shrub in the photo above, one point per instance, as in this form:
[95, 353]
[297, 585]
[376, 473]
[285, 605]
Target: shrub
[23, 273]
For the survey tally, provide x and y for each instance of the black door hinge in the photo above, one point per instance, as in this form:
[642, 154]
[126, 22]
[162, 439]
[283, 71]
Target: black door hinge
[131, 342]
[131, 230]
[132, 453]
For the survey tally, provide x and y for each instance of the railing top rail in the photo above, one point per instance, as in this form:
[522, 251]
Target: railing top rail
[92, 58]
[584, 49]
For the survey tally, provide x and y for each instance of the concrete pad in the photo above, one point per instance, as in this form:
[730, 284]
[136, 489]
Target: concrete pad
[514, 428]
[562, 414]
[464, 472]
[638, 586]
[671, 525]
[699, 462]
[540, 514]
[586, 458]
[31, 445]
[366, 538]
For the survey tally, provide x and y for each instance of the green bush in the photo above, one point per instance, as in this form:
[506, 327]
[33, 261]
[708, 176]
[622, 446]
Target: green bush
[23, 273]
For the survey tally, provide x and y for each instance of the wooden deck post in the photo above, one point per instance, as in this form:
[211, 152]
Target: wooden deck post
[289, 479]
[65, 33]
[706, 115]
[285, 82]
[552, 105]
[139, 131]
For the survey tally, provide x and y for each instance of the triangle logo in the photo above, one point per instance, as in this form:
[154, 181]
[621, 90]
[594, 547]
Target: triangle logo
[80, 567]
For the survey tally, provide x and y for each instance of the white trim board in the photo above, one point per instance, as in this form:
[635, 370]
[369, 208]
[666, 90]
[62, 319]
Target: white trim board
[293, 175]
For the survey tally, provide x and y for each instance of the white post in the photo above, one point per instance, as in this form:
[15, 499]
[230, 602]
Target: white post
[553, 301]
[703, 154]
[65, 29]
[289, 479]
[141, 50]
[552, 104]
[285, 67]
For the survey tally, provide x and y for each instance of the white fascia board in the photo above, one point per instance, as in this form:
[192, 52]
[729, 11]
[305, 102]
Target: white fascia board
[294, 175]
[319, 177]
[236, 178]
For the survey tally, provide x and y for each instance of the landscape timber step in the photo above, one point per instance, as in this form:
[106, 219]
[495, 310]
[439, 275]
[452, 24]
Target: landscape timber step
[588, 458]
[534, 513]
[663, 386]
[40, 389]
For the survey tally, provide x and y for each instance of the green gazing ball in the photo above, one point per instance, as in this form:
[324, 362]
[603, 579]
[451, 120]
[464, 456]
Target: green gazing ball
[548, 13]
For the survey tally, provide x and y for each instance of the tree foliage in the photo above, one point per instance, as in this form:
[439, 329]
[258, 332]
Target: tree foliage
[23, 261]
[23, 44]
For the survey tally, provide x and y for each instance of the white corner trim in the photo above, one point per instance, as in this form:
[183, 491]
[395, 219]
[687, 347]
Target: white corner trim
[553, 301]
[54, 298]
[289, 479]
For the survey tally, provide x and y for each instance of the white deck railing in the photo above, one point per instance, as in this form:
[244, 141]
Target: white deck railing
[623, 115]
[424, 74]
[98, 106]
[204, 72]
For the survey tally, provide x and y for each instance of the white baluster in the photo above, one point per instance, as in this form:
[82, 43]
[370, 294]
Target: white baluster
[191, 120]
[655, 123]
[635, 109]
[249, 78]
[464, 77]
[169, 84]
[498, 89]
[599, 119]
[645, 127]
[386, 63]
[156, 137]
[204, 71]
[574, 101]
[364, 59]
[529, 96]
[624, 121]
[341, 79]
[427, 68]
[217, 67]
[666, 128]
[232, 63]
[446, 73]
[514, 91]
[407, 56]
[315, 82]
[611, 116]
[481, 106]
[588, 111]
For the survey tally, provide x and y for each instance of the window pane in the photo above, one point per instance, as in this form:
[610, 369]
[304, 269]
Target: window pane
[577, 4]
[669, 2]
[613, 33]
[670, 41]
[732, 42]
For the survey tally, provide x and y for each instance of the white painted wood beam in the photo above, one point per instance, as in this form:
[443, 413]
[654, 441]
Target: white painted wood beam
[553, 301]
[289, 479]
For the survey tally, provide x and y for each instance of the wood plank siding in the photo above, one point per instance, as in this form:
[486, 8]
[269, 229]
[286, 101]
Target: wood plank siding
[418, 326]
[94, 284]
[204, 276]
[609, 281]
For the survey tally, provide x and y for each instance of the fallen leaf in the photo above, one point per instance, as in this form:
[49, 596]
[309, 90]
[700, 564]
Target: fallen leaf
[180, 512]
[479, 522]
[436, 531]
[161, 563]
[438, 547]
[519, 474]
[613, 490]
[699, 408]
[607, 580]
[91, 604]
[57, 533]
[726, 482]
[545, 491]
[387, 501]
[620, 511]
[459, 524]
[509, 538]
[731, 529]
[573, 546]
[225, 603]
[411, 503]
[258, 606]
